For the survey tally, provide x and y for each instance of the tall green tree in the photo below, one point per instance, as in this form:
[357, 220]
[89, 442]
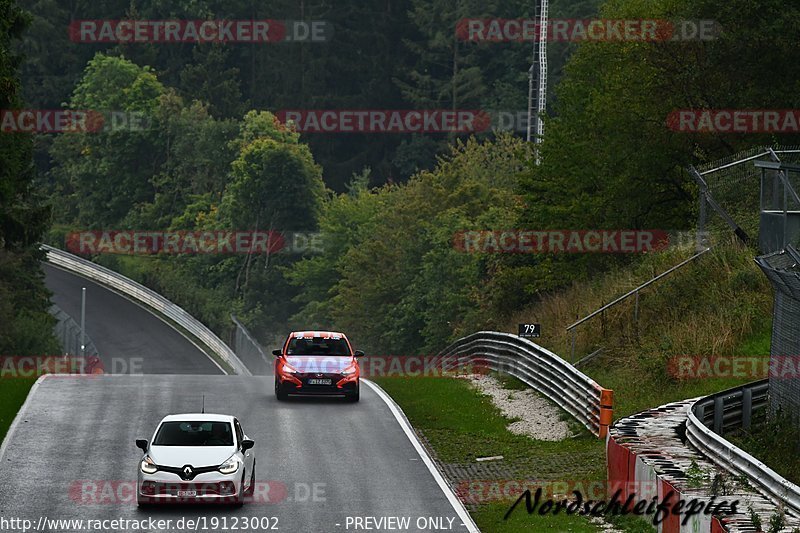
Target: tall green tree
[275, 186]
[392, 275]
[105, 173]
[25, 325]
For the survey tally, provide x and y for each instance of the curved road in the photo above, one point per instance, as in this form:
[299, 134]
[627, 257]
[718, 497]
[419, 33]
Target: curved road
[127, 336]
[323, 465]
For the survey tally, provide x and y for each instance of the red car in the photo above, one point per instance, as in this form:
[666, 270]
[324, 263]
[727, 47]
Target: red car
[317, 363]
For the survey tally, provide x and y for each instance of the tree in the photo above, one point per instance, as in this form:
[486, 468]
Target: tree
[391, 275]
[106, 173]
[275, 186]
[25, 325]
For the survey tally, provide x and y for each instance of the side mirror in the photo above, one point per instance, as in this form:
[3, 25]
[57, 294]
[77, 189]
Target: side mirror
[247, 444]
[276, 353]
[141, 444]
[358, 353]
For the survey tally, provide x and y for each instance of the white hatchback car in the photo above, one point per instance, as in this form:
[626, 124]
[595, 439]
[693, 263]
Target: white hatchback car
[196, 458]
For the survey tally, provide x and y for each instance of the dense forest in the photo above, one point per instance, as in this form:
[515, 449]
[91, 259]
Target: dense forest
[213, 155]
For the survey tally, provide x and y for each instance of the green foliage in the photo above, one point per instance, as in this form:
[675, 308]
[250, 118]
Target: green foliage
[772, 442]
[25, 325]
[777, 521]
[186, 171]
[104, 174]
[695, 475]
[12, 396]
[755, 520]
[608, 158]
[390, 271]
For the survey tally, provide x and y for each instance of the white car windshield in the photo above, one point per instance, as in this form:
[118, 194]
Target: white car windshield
[194, 434]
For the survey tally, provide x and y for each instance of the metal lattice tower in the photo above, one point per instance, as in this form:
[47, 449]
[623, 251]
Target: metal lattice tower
[537, 76]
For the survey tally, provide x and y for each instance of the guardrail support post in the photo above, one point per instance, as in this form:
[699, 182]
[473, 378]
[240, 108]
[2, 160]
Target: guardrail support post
[719, 410]
[747, 407]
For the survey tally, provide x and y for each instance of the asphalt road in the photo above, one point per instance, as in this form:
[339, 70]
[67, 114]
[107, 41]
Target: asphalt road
[354, 457]
[129, 338]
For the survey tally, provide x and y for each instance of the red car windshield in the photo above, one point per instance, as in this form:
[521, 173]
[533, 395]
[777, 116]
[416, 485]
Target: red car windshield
[318, 346]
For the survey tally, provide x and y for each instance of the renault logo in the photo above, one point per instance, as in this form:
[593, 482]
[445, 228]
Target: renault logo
[187, 471]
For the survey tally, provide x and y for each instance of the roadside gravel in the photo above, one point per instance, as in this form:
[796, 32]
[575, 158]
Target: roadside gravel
[535, 417]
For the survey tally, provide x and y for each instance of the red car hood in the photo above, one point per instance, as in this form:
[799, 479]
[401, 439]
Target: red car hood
[323, 364]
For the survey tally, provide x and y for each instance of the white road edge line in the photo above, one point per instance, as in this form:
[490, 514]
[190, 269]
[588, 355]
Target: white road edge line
[146, 308]
[401, 418]
[20, 413]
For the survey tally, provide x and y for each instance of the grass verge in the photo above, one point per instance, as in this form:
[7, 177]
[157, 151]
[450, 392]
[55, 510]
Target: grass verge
[460, 425]
[773, 442]
[12, 396]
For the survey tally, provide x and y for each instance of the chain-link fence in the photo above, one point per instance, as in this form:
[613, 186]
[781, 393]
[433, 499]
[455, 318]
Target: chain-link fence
[755, 194]
[783, 271]
[732, 195]
[249, 351]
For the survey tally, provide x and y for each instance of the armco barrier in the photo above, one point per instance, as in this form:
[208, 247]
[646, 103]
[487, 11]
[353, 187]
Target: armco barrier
[541, 369]
[647, 456]
[148, 297]
[726, 410]
[650, 453]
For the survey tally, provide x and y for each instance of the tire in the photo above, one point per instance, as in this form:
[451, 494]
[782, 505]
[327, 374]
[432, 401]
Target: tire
[353, 398]
[240, 496]
[279, 394]
[252, 488]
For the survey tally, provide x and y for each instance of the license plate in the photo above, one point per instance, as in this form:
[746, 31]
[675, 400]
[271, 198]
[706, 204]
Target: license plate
[187, 493]
[319, 381]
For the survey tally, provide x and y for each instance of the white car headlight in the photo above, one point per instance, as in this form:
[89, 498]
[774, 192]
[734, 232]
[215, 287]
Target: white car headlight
[349, 370]
[230, 466]
[148, 466]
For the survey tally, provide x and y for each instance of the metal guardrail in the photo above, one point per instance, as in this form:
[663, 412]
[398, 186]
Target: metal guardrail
[541, 369]
[727, 410]
[148, 297]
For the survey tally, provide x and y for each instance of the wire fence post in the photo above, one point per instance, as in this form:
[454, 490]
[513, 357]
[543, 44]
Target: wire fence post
[572, 356]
